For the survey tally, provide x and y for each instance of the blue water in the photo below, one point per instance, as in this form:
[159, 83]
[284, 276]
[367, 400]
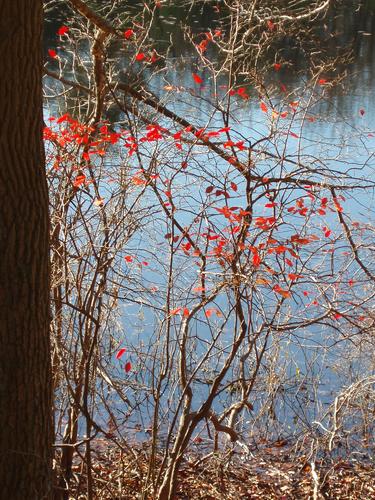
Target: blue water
[304, 369]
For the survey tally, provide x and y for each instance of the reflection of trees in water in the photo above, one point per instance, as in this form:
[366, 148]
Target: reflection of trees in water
[344, 31]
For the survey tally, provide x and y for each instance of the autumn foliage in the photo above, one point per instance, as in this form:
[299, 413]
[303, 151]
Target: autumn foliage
[189, 251]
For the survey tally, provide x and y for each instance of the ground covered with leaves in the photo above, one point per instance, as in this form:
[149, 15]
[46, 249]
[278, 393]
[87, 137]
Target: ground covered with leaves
[271, 473]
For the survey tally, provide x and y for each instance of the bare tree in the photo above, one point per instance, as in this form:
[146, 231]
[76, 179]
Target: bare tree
[227, 239]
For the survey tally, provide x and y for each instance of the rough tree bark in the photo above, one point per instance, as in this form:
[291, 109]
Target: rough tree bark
[25, 386]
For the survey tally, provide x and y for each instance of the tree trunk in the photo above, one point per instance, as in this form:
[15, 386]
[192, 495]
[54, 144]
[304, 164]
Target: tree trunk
[25, 379]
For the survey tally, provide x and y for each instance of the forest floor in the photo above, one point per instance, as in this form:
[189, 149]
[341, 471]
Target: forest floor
[272, 473]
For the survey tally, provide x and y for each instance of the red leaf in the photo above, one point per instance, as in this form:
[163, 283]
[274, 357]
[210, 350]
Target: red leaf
[128, 367]
[208, 312]
[233, 185]
[322, 81]
[186, 312]
[263, 107]
[52, 53]
[256, 260]
[128, 34]
[209, 189]
[128, 258]
[79, 180]
[140, 56]
[280, 249]
[120, 353]
[63, 118]
[202, 47]
[154, 56]
[277, 66]
[62, 30]
[241, 91]
[197, 78]
[361, 112]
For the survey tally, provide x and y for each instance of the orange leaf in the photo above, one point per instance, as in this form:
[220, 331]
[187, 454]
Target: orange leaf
[261, 281]
[79, 180]
[284, 293]
[293, 277]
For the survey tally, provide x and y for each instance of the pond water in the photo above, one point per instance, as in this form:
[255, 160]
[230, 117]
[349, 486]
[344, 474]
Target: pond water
[311, 370]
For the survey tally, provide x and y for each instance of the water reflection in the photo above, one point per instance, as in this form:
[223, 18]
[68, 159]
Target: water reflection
[339, 109]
